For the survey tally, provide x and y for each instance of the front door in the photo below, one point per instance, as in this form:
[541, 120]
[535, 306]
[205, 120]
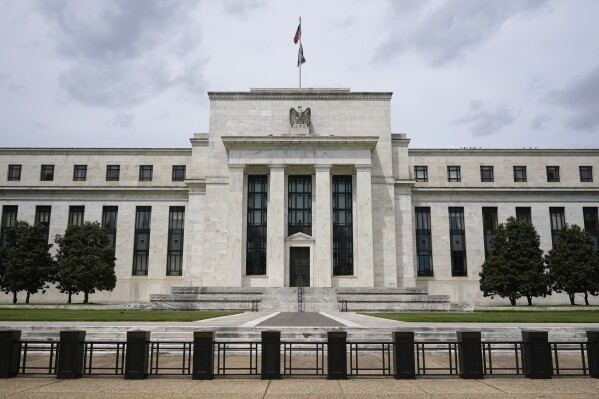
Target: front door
[299, 265]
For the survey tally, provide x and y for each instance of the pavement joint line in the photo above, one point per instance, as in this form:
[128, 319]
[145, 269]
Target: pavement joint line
[266, 390]
[39, 386]
[345, 322]
[217, 317]
[485, 383]
[255, 322]
[417, 387]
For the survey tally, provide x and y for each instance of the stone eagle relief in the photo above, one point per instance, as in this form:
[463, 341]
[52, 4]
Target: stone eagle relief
[299, 117]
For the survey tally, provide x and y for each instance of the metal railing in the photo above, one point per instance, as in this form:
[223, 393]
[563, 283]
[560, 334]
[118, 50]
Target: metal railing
[37, 357]
[302, 358]
[237, 358]
[370, 358]
[502, 358]
[442, 355]
[170, 358]
[104, 357]
[300, 293]
[574, 365]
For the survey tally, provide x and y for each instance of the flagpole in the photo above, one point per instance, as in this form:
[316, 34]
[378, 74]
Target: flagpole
[300, 63]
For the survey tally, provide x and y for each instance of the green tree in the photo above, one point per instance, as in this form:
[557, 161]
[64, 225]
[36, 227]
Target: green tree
[514, 267]
[28, 265]
[85, 260]
[573, 264]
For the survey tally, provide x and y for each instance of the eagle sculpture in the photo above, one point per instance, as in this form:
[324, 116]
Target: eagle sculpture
[299, 117]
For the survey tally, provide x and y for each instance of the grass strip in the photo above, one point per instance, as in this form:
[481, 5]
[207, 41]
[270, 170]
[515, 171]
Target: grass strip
[496, 316]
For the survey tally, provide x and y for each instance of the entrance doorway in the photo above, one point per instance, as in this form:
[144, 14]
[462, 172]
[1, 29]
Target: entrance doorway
[299, 265]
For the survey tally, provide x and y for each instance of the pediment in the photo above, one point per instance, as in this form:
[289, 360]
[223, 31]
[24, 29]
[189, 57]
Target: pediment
[299, 237]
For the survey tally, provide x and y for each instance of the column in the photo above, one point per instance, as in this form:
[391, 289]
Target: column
[235, 227]
[363, 258]
[321, 227]
[275, 227]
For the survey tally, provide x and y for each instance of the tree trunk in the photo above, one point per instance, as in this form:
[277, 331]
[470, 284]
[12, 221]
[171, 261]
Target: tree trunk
[86, 297]
[70, 294]
[529, 298]
[586, 298]
[571, 299]
[14, 297]
[512, 301]
[27, 299]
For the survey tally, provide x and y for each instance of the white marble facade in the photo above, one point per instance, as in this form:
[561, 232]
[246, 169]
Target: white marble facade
[250, 134]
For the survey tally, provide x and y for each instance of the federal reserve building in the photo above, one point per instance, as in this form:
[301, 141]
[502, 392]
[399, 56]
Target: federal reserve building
[299, 187]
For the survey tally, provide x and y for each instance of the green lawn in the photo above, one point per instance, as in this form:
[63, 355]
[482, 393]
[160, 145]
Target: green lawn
[106, 315]
[498, 316]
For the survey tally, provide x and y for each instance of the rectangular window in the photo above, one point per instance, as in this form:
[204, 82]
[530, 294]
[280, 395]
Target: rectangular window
[113, 172]
[299, 201]
[14, 172]
[47, 173]
[145, 172]
[42, 216]
[558, 220]
[486, 174]
[109, 217]
[553, 174]
[586, 174]
[424, 246]
[421, 173]
[523, 213]
[489, 227]
[174, 257]
[343, 236]
[9, 218]
[80, 173]
[520, 174]
[453, 174]
[255, 260]
[591, 225]
[76, 215]
[141, 246]
[178, 172]
[457, 234]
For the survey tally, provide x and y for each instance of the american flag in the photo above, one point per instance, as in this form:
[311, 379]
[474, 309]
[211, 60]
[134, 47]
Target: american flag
[298, 34]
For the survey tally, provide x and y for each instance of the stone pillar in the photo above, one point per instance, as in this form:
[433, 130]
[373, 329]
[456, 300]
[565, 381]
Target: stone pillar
[275, 227]
[322, 228]
[70, 354]
[235, 227]
[363, 258]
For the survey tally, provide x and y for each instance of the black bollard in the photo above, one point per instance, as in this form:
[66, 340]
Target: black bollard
[9, 353]
[137, 357]
[337, 355]
[536, 362]
[470, 355]
[70, 354]
[271, 355]
[593, 352]
[203, 355]
[403, 355]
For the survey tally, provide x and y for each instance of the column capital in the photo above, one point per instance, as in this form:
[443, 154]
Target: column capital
[236, 166]
[363, 168]
[322, 167]
[276, 166]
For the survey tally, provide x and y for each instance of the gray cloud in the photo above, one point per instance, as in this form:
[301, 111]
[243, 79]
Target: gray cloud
[484, 119]
[443, 31]
[540, 122]
[580, 98]
[8, 84]
[242, 8]
[122, 120]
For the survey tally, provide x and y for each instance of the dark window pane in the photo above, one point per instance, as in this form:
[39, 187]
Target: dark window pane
[457, 241]
[523, 213]
[14, 172]
[586, 174]
[76, 215]
[80, 173]
[113, 172]
[421, 173]
[145, 172]
[558, 220]
[176, 224]
[343, 254]
[424, 249]
[9, 218]
[489, 227]
[141, 249]
[42, 216]
[109, 218]
[486, 173]
[299, 205]
[553, 174]
[47, 173]
[255, 261]
[178, 172]
[520, 174]
[591, 225]
[454, 174]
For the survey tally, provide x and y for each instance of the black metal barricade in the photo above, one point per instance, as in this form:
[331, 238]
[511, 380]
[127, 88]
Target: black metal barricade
[470, 354]
[568, 366]
[370, 358]
[337, 355]
[537, 354]
[271, 355]
[230, 358]
[439, 353]
[38, 357]
[104, 358]
[593, 352]
[303, 358]
[170, 358]
[502, 358]
[70, 354]
[203, 355]
[403, 355]
[137, 355]
[9, 353]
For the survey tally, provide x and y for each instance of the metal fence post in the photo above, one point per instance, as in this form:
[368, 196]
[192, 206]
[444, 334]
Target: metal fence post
[70, 354]
[470, 354]
[137, 355]
[536, 362]
[593, 352]
[271, 355]
[203, 355]
[337, 355]
[403, 355]
[9, 353]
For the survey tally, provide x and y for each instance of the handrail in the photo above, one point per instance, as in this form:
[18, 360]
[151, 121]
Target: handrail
[300, 293]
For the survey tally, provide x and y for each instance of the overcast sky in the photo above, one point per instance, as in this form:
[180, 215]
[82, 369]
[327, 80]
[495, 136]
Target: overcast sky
[134, 73]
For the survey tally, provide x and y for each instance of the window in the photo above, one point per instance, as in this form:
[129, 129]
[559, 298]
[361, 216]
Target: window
[47, 173]
[299, 199]
[591, 225]
[520, 174]
[586, 174]
[457, 234]
[80, 173]
[343, 238]
[424, 248]
[141, 245]
[42, 216]
[174, 257]
[553, 174]
[558, 221]
[421, 173]
[453, 174]
[145, 172]
[9, 218]
[109, 216]
[489, 227]
[76, 215]
[255, 260]
[523, 213]
[14, 172]
[486, 174]
[178, 172]
[113, 172]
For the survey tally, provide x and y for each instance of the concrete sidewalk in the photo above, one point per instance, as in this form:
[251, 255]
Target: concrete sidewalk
[51, 388]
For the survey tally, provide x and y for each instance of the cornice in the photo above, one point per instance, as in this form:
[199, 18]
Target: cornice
[95, 151]
[298, 94]
[299, 142]
[522, 152]
[507, 190]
